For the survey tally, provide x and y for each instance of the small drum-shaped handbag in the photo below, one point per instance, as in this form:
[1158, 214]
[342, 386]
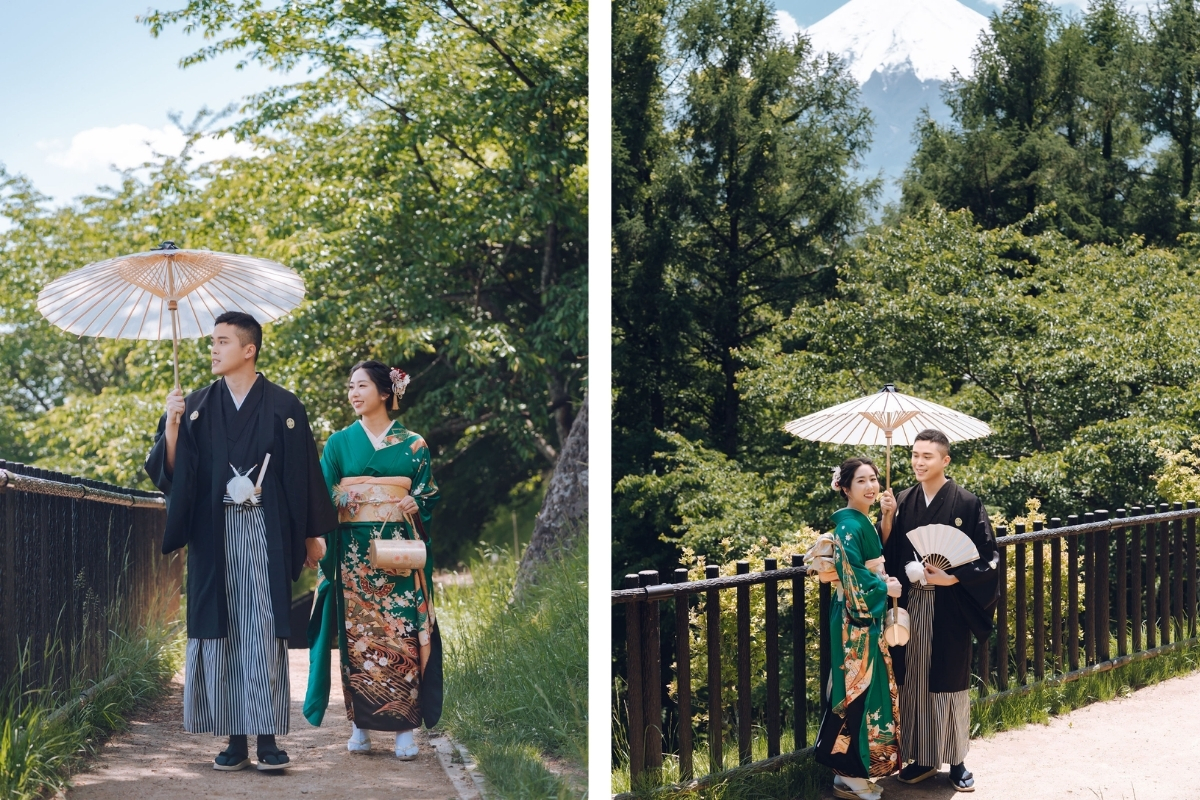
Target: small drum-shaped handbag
[397, 554]
[895, 625]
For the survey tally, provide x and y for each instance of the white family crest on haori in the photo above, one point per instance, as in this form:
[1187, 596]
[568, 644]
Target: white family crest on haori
[885, 418]
[943, 546]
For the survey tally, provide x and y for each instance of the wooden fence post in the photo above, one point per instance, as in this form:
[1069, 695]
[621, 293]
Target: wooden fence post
[683, 672]
[745, 731]
[1122, 598]
[1191, 571]
[652, 684]
[1020, 651]
[716, 729]
[1002, 616]
[1039, 605]
[1103, 602]
[1177, 567]
[1056, 621]
[634, 680]
[771, 625]
[1164, 577]
[799, 659]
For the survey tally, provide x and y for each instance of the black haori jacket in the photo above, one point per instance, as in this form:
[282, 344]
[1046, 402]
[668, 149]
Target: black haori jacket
[295, 502]
[966, 607]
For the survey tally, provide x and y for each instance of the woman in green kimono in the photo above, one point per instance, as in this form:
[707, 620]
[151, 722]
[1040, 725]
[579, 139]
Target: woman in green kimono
[378, 475]
[859, 737]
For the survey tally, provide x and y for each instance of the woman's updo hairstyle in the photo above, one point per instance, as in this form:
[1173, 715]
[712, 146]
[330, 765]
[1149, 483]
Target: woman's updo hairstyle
[843, 476]
[380, 375]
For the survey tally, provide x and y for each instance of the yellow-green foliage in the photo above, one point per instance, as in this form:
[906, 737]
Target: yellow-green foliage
[1178, 480]
[1033, 513]
[795, 543]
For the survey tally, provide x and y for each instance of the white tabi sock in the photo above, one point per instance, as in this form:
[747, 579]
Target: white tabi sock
[406, 747]
[360, 740]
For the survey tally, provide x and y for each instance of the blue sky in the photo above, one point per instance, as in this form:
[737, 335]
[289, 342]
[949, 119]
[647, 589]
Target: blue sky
[85, 84]
[806, 12]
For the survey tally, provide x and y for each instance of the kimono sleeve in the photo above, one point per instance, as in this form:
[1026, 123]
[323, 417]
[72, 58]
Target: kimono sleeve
[865, 591]
[425, 489]
[320, 517]
[156, 461]
[979, 581]
[331, 463]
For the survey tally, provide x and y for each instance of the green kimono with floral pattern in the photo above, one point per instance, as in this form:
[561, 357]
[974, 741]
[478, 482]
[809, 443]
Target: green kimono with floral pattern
[381, 621]
[859, 735]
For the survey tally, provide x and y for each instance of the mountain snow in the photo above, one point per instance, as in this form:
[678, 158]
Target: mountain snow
[930, 37]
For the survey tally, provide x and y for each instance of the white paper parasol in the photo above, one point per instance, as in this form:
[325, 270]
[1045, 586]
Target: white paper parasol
[168, 293]
[885, 418]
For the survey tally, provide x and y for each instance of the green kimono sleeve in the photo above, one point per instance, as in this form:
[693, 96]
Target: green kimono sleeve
[322, 626]
[864, 590]
[425, 489]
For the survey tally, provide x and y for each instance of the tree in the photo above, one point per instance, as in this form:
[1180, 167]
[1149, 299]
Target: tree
[727, 211]
[1172, 84]
[427, 179]
[1049, 116]
[562, 521]
[768, 138]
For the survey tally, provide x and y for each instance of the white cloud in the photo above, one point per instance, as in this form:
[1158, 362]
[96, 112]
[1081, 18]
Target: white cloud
[126, 146]
[787, 25]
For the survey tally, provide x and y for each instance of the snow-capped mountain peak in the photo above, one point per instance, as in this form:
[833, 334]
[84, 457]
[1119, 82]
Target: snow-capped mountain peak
[933, 37]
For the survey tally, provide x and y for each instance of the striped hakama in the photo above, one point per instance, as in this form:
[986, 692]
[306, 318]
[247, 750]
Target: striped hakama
[934, 726]
[239, 685]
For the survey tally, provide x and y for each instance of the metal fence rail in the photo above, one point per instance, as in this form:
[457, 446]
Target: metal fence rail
[1114, 588]
[76, 557]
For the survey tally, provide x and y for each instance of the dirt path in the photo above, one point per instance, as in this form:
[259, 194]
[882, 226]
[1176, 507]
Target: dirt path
[156, 759]
[1134, 748]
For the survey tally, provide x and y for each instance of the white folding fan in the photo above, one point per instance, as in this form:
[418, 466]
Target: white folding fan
[943, 546]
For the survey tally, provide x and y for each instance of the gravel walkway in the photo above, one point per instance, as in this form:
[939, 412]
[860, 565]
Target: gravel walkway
[156, 759]
[1140, 747]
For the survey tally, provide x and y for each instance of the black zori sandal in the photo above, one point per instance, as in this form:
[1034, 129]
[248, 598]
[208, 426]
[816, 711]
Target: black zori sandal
[961, 779]
[234, 756]
[270, 757]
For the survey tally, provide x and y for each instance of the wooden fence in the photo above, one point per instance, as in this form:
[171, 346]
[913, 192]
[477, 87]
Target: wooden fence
[76, 557]
[1118, 587]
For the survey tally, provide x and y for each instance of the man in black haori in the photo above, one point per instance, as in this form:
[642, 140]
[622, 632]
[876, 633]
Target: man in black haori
[245, 494]
[945, 608]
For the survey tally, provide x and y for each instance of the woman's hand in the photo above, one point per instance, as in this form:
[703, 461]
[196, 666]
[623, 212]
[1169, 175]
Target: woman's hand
[937, 577]
[893, 587]
[408, 506]
[316, 550]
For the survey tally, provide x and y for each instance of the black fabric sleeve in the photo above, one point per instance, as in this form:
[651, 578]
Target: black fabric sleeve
[179, 486]
[978, 581]
[156, 462]
[322, 518]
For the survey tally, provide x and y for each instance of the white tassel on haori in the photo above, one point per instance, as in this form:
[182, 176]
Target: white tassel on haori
[239, 488]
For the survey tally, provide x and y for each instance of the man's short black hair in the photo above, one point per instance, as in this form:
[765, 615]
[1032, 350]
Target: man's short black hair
[249, 331]
[935, 436]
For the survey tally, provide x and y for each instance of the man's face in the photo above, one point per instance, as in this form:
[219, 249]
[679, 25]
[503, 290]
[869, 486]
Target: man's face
[928, 461]
[228, 353]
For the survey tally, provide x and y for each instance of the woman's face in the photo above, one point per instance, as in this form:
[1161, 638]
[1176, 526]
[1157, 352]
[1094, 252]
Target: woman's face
[864, 489]
[364, 394]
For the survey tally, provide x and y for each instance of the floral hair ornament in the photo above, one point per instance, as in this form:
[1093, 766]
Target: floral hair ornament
[836, 483]
[400, 381]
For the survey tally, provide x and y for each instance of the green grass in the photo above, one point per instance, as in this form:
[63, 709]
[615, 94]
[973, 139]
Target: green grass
[701, 765]
[1048, 700]
[516, 675]
[39, 750]
[804, 778]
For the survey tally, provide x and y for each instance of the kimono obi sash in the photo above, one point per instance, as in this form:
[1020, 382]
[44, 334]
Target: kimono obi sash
[366, 499]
